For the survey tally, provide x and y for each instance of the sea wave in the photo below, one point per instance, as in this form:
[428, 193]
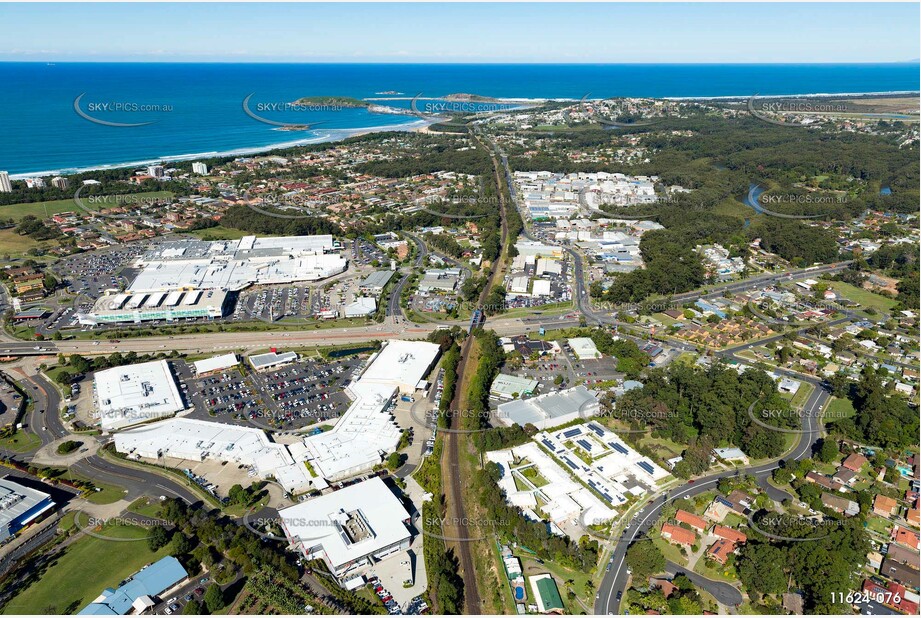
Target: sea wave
[318, 136]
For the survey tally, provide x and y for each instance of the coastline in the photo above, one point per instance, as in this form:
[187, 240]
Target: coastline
[334, 135]
[417, 125]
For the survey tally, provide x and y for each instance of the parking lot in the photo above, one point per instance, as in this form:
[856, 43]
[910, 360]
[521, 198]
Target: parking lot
[305, 392]
[273, 303]
[96, 271]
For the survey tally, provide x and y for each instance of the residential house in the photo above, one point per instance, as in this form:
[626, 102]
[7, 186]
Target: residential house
[840, 505]
[884, 506]
[698, 523]
[905, 537]
[678, 535]
[721, 550]
[854, 462]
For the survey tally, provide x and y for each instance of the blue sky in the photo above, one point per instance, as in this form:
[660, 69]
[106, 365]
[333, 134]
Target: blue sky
[576, 33]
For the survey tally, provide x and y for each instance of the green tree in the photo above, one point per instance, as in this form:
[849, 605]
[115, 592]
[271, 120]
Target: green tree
[158, 537]
[644, 559]
[214, 598]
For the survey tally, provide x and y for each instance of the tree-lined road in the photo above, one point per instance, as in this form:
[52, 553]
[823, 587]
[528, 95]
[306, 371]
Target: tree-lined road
[615, 580]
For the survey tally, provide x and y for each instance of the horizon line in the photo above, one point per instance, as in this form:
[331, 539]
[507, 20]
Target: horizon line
[496, 62]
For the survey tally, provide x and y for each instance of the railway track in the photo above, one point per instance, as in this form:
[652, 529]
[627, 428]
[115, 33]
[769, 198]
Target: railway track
[451, 469]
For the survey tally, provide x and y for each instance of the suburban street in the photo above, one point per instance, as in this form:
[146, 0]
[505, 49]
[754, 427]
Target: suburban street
[616, 579]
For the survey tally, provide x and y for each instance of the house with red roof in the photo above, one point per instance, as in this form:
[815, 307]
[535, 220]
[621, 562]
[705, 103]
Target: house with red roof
[698, 523]
[892, 595]
[854, 461]
[730, 534]
[905, 537]
[678, 535]
[721, 550]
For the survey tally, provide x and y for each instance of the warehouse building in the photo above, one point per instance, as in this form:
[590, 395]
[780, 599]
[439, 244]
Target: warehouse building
[351, 528]
[137, 594]
[215, 364]
[551, 409]
[135, 394]
[376, 282]
[366, 433]
[195, 440]
[271, 360]
[512, 387]
[20, 506]
[584, 348]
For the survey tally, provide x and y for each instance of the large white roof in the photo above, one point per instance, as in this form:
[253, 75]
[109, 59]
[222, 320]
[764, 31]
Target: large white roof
[186, 438]
[136, 393]
[233, 265]
[216, 363]
[401, 363]
[320, 522]
[367, 431]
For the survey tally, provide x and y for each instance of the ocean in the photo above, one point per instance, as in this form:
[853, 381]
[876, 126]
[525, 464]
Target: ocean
[188, 111]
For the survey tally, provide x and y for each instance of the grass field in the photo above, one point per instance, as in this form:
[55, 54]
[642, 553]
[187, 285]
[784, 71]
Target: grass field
[219, 233]
[866, 298]
[107, 493]
[21, 442]
[839, 408]
[802, 394]
[43, 210]
[85, 568]
[12, 244]
[145, 506]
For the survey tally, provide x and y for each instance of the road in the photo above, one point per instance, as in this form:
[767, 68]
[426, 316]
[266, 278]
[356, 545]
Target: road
[723, 592]
[616, 578]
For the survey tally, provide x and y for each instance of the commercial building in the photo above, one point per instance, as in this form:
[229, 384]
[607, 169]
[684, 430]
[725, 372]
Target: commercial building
[440, 280]
[236, 264]
[137, 594]
[5, 185]
[550, 409]
[376, 282]
[135, 394]
[216, 363]
[59, 182]
[168, 306]
[20, 506]
[366, 433]
[511, 387]
[270, 360]
[350, 528]
[360, 307]
[584, 348]
[195, 440]
[546, 594]
[199, 168]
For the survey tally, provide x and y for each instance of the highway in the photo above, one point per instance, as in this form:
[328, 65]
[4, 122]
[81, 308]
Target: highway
[616, 579]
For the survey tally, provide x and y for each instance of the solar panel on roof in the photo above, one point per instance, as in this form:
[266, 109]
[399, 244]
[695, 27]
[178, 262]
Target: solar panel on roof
[645, 466]
[548, 444]
[584, 444]
[569, 463]
[617, 447]
[575, 431]
[596, 429]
